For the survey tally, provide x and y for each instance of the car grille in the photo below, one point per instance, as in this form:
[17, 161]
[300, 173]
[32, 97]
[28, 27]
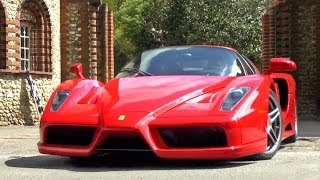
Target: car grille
[69, 135]
[123, 141]
[193, 137]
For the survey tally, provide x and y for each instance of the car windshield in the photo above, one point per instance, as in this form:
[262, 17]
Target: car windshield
[188, 60]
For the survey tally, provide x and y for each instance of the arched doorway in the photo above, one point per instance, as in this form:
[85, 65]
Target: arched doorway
[35, 36]
[34, 53]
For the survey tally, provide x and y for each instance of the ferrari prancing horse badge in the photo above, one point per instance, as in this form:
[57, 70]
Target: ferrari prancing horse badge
[122, 117]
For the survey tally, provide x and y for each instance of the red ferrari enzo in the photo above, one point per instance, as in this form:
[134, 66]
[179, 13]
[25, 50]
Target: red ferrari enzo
[188, 102]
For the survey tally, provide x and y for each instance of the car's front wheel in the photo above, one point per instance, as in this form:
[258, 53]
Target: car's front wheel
[274, 128]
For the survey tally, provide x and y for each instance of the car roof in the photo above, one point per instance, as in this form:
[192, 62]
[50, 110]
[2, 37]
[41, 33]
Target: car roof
[214, 46]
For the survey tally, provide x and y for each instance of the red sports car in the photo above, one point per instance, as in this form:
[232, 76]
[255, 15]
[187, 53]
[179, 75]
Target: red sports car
[187, 102]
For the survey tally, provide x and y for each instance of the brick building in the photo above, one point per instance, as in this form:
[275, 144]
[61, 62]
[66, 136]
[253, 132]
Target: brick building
[47, 37]
[291, 28]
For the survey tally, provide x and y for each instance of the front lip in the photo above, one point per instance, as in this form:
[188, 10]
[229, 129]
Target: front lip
[148, 128]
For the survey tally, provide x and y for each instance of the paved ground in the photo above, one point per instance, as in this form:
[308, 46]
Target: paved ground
[19, 159]
[285, 165]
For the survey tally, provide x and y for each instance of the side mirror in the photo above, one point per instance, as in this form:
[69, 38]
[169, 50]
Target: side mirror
[281, 65]
[77, 70]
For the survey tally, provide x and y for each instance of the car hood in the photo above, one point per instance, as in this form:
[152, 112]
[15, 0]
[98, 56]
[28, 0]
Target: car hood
[133, 98]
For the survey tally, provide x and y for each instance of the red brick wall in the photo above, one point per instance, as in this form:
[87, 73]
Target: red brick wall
[10, 46]
[276, 32]
[74, 36]
[3, 48]
[13, 44]
[106, 51]
[41, 53]
[110, 59]
[93, 39]
[84, 38]
[292, 29]
[16, 105]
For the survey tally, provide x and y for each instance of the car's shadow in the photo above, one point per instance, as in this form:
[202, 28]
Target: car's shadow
[123, 162]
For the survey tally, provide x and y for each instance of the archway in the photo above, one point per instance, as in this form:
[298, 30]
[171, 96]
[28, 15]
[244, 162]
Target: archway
[35, 33]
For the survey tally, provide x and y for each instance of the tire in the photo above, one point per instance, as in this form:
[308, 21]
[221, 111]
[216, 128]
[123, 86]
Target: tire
[274, 129]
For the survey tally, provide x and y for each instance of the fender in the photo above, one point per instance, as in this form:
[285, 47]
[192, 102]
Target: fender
[287, 97]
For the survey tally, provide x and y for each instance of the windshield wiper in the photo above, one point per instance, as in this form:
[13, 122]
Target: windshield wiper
[137, 71]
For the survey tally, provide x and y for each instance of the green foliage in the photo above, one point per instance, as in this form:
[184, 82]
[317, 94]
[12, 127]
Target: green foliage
[113, 5]
[130, 20]
[232, 23]
[153, 16]
[144, 24]
[123, 50]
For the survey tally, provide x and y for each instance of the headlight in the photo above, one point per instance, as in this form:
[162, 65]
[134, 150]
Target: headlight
[58, 99]
[233, 97]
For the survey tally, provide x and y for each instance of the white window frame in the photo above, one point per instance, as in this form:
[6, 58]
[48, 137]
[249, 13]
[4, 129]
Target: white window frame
[25, 49]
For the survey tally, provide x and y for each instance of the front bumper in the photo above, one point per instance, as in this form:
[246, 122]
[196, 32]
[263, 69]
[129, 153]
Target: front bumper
[148, 130]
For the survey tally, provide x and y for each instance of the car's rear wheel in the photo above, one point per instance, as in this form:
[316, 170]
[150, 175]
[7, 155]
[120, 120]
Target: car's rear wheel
[274, 128]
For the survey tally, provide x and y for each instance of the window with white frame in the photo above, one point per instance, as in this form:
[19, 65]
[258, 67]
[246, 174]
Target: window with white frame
[25, 47]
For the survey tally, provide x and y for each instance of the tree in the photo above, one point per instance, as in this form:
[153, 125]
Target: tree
[144, 24]
[235, 23]
[135, 27]
[113, 5]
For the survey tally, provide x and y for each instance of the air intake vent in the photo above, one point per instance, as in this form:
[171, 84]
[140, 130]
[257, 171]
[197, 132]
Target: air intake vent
[70, 135]
[124, 141]
[193, 137]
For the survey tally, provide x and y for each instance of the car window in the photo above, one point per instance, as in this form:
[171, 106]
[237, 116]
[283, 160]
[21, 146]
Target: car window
[256, 71]
[242, 71]
[246, 66]
[186, 60]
